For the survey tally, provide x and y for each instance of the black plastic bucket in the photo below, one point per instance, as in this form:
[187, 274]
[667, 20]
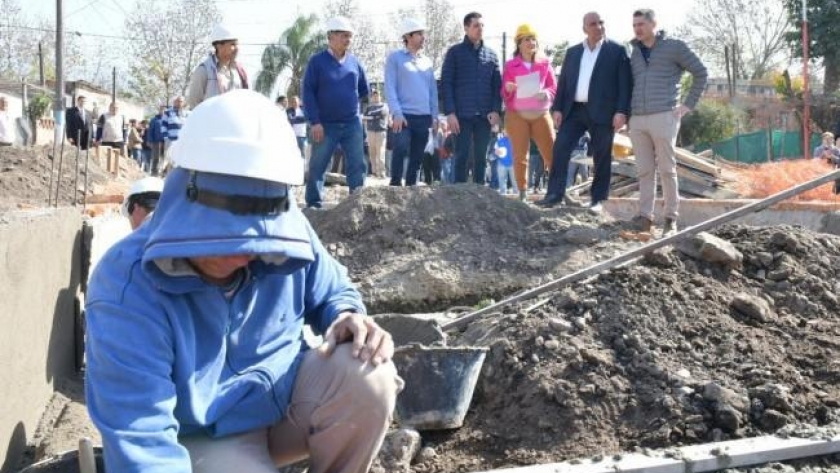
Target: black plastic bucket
[67, 462]
[439, 385]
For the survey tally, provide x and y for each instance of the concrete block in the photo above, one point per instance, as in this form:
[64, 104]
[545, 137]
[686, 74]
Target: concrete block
[39, 280]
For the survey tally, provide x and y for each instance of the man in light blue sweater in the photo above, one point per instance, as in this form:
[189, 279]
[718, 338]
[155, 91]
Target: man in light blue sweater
[411, 91]
[333, 85]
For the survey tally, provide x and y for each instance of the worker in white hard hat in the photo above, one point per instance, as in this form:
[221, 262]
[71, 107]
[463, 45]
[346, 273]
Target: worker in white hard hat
[411, 90]
[333, 85]
[141, 200]
[219, 73]
[196, 360]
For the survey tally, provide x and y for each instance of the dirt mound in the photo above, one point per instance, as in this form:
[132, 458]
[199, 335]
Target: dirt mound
[25, 177]
[429, 248]
[669, 352]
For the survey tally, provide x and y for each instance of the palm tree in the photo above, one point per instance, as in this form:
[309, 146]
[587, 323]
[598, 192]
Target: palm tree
[292, 52]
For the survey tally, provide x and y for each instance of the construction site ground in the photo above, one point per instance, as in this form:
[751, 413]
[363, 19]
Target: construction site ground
[674, 350]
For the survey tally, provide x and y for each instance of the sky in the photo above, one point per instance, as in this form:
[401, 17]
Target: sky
[262, 21]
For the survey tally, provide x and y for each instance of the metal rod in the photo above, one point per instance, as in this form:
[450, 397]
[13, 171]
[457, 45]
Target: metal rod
[87, 159]
[60, 164]
[645, 249]
[76, 178]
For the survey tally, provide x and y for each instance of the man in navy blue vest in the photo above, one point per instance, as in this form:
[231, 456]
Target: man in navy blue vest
[593, 94]
[471, 85]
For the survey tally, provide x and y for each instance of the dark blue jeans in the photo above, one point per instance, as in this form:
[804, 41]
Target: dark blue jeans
[571, 129]
[349, 134]
[410, 141]
[471, 145]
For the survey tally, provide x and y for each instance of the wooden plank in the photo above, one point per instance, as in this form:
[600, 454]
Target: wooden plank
[645, 249]
[689, 159]
[696, 458]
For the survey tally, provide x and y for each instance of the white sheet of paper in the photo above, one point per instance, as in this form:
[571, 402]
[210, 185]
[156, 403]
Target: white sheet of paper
[528, 85]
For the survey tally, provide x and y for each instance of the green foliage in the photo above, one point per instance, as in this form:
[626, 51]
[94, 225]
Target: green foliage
[290, 53]
[556, 53]
[38, 106]
[823, 40]
[710, 122]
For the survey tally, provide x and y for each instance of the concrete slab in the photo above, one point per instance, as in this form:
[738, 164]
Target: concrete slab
[696, 458]
[811, 215]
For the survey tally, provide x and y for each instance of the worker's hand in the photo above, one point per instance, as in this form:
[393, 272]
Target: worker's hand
[558, 119]
[454, 126]
[493, 118]
[317, 133]
[510, 87]
[399, 124]
[619, 120]
[542, 96]
[681, 111]
[370, 341]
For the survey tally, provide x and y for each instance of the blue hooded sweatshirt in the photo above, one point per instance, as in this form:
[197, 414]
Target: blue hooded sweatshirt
[169, 354]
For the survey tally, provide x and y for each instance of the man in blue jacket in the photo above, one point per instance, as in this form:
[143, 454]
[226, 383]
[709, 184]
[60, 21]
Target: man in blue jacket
[471, 85]
[333, 85]
[593, 94]
[154, 138]
[196, 360]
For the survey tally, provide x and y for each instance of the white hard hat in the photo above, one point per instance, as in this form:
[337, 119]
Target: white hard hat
[410, 25]
[147, 184]
[240, 133]
[142, 186]
[340, 23]
[222, 32]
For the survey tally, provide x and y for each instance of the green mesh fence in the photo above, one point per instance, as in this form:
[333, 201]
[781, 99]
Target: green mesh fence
[753, 147]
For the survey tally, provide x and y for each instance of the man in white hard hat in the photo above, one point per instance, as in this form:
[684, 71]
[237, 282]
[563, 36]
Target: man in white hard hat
[411, 90]
[333, 85]
[212, 294]
[141, 200]
[219, 73]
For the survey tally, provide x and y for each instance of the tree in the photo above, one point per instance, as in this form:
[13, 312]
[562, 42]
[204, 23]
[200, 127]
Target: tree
[710, 122]
[556, 53]
[754, 29]
[824, 42]
[290, 54]
[366, 46]
[171, 38]
[444, 28]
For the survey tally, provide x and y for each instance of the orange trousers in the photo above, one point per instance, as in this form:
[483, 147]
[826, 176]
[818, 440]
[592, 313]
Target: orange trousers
[521, 131]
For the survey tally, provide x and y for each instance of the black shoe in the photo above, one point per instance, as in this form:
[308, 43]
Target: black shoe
[550, 200]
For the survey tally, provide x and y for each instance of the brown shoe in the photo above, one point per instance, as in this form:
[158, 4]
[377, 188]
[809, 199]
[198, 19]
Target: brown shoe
[641, 224]
[669, 228]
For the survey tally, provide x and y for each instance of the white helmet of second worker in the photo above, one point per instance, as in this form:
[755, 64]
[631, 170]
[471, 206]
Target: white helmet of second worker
[240, 133]
[145, 192]
[339, 23]
[222, 32]
[410, 25]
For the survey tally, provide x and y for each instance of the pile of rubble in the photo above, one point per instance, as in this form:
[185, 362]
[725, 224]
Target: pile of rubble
[718, 340]
[429, 248]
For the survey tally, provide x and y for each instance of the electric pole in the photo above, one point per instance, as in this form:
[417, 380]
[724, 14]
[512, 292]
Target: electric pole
[806, 92]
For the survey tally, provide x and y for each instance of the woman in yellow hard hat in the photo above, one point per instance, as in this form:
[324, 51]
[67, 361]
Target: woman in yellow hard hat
[528, 89]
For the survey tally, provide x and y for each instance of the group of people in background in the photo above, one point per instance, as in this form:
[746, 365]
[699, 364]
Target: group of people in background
[603, 87]
[509, 126]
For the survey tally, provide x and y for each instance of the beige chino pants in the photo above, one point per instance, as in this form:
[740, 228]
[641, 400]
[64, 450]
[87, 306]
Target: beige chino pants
[376, 148]
[338, 416]
[654, 140]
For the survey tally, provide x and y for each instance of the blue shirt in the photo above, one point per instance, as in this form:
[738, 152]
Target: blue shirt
[503, 143]
[410, 85]
[171, 124]
[332, 89]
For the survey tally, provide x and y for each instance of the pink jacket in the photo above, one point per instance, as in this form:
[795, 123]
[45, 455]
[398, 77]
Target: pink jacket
[514, 68]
